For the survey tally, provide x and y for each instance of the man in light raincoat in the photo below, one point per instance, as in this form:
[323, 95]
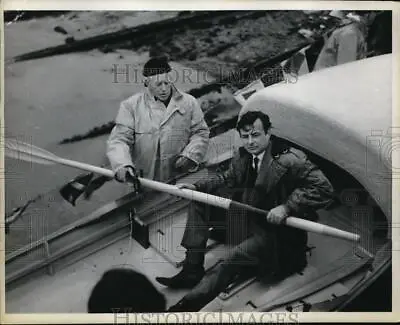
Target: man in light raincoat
[346, 44]
[160, 131]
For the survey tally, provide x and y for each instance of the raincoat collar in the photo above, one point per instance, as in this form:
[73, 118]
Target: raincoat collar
[174, 105]
[176, 94]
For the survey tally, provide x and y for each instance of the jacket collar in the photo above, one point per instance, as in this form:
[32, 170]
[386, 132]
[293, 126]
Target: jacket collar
[271, 171]
[176, 94]
[174, 105]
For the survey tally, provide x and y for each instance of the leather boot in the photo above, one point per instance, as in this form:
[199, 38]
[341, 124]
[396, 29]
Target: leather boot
[185, 306]
[191, 273]
[186, 278]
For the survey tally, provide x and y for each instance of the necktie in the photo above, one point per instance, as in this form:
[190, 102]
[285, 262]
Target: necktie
[253, 173]
[251, 196]
[256, 164]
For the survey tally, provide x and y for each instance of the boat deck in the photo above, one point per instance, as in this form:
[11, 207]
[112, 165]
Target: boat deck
[77, 258]
[68, 289]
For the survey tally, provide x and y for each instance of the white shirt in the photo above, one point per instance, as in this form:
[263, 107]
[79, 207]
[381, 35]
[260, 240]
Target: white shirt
[260, 157]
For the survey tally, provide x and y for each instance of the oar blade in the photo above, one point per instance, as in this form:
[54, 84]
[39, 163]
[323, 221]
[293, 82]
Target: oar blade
[16, 149]
[26, 157]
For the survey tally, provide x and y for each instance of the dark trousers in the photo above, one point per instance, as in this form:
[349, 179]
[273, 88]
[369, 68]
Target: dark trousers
[249, 251]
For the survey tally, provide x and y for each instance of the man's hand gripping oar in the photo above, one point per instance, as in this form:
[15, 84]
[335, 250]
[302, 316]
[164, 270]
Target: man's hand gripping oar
[23, 151]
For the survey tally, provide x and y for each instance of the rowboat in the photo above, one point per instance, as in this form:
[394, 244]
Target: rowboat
[339, 116]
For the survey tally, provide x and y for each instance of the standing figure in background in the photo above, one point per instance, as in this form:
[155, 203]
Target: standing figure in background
[160, 131]
[346, 43]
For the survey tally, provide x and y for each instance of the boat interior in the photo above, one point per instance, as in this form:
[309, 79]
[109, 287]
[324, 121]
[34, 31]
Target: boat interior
[144, 232]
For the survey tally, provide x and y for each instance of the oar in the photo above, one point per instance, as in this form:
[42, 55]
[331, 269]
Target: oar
[20, 150]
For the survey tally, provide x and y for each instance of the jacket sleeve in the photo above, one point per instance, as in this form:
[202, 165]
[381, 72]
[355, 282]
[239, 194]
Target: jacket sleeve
[196, 149]
[313, 191]
[121, 139]
[222, 179]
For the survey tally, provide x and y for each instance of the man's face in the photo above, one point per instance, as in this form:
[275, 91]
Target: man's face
[254, 139]
[160, 86]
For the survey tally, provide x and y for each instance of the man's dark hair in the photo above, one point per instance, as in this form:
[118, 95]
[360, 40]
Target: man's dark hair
[125, 290]
[250, 117]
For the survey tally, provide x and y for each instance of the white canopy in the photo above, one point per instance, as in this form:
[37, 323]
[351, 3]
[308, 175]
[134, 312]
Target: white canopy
[343, 114]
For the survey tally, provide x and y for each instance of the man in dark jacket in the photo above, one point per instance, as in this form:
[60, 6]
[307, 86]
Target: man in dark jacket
[267, 174]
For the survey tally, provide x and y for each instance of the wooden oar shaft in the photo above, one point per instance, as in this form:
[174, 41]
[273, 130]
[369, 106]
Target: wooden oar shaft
[154, 185]
[222, 202]
[304, 224]
[84, 166]
[321, 229]
[187, 194]
[205, 198]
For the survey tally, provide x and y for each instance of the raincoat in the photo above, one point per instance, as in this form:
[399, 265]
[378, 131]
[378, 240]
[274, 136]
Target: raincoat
[151, 137]
[346, 44]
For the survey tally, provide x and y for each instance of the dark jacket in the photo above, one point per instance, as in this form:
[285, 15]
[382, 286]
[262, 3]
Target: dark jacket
[287, 177]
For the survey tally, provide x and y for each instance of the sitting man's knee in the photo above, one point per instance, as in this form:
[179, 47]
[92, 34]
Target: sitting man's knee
[240, 256]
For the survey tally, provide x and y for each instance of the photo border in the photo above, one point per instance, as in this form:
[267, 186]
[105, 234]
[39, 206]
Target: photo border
[208, 5]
